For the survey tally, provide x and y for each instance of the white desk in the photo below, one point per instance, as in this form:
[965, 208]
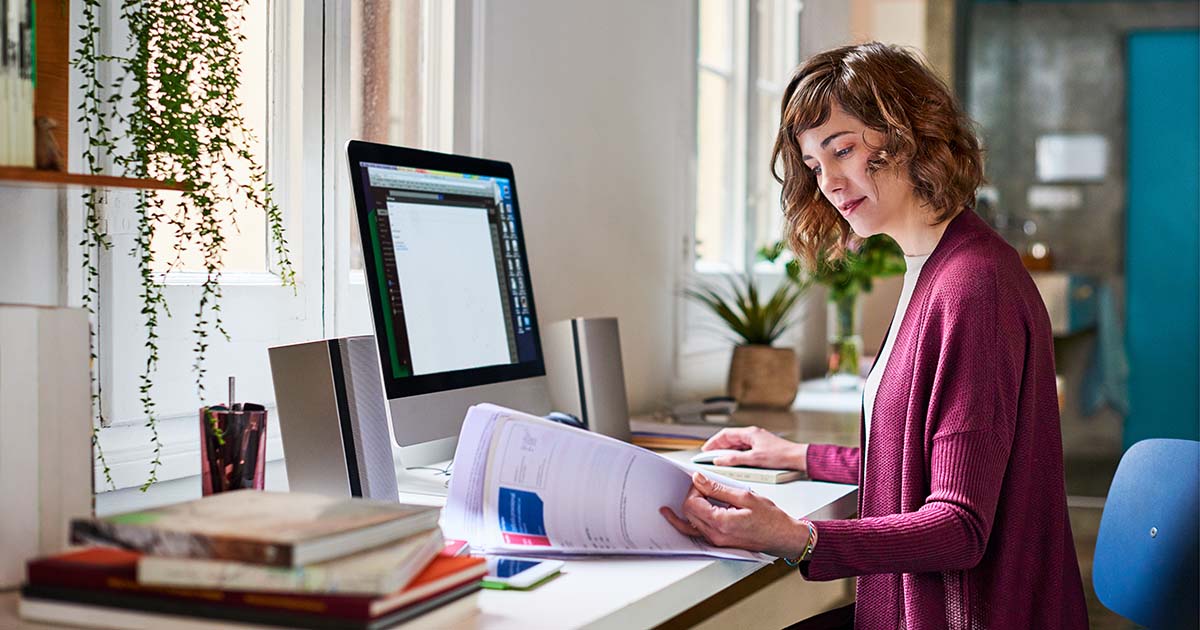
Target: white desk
[642, 592]
[610, 592]
[626, 592]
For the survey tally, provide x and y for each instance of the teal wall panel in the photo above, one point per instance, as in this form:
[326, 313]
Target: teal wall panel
[1162, 259]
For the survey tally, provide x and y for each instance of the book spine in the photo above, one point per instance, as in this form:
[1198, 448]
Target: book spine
[190, 608]
[16, 82]
[189, 573]
[377, 572]
[759, 476]
[7, 115]
[25, 84]
[84, 577]
[179, 544]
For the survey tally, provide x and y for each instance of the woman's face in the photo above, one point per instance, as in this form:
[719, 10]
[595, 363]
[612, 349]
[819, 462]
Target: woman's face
[837, 153]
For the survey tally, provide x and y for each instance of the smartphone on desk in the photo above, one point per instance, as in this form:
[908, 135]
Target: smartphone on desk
[519, 573]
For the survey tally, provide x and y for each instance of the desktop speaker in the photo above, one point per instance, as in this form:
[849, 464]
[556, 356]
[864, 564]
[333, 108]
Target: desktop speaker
[583, 369]
[333, 418]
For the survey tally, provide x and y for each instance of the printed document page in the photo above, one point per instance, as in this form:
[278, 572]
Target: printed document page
[525, 485]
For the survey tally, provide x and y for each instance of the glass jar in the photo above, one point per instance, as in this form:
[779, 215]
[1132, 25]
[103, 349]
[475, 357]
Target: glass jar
[844, 324]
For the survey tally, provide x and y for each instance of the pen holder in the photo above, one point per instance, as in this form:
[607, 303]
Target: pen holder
[233, 447]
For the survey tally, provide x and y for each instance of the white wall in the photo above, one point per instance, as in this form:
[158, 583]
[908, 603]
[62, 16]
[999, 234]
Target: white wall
[591, 103]
[29, 246]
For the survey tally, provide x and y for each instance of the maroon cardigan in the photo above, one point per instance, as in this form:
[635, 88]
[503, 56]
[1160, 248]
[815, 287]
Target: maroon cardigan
[963, 511]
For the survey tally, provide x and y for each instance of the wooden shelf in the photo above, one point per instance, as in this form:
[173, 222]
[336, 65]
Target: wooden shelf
[50, 99]
[51, 96]
[22, 176]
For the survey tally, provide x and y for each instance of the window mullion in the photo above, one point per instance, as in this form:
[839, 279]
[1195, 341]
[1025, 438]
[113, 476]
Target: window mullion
[752, 161]
[725, 73]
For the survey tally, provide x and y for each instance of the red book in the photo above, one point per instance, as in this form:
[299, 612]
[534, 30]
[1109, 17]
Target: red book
[115, 571]
[455, 548]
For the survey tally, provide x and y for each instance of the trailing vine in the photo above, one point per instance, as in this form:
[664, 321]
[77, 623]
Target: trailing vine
[178, 82]
[95, 238]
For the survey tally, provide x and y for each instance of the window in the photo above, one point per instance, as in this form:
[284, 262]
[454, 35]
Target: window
[315, 73]
[247, 247]
[746, 52]
[400, 91]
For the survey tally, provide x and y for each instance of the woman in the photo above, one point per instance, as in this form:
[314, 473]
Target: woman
[962, 510]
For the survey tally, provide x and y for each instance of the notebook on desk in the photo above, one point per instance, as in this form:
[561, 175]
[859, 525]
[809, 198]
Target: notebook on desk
[757, 475]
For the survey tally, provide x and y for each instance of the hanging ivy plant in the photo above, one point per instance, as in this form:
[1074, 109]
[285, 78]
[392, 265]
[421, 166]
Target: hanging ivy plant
[173, 96]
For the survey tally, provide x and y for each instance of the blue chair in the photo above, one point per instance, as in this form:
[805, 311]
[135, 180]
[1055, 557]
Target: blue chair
[1146, 562]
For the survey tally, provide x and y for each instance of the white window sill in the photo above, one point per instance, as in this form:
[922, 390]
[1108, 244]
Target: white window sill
[196, 278]
[128, 451]
[174, 491]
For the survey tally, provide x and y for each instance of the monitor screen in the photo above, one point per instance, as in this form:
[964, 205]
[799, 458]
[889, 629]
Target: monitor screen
[446, 267]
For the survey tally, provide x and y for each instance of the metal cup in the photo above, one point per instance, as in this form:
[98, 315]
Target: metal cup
[233, 449]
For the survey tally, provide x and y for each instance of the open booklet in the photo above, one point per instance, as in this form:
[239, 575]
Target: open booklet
[529, 486]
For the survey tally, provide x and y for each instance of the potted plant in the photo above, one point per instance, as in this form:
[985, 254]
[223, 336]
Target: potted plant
[165, 105]
[759, 374]
[846, 278]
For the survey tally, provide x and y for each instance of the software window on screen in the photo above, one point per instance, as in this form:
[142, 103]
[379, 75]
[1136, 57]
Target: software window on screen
[447, 268]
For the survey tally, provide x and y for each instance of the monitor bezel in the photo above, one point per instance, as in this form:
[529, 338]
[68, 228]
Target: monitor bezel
[407, 386]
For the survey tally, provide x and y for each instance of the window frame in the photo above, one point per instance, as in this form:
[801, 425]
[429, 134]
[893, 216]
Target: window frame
[737, 79]
[699, 336]
[124, 440]
[349, 287]
[311, 76]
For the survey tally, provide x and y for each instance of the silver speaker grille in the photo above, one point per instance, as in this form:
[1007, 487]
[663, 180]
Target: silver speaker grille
[368, 407]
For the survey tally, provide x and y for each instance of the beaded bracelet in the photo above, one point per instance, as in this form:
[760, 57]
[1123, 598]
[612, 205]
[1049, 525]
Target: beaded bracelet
[812, 542]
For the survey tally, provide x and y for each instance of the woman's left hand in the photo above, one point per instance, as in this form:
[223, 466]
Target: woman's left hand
[750, 521]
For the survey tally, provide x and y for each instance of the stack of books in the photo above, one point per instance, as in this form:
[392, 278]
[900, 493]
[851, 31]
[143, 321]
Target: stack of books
[252, 558]
[17, 72]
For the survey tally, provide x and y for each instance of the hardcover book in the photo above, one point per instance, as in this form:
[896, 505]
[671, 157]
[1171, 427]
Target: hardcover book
[131, 611]
[285, 529]
[375, 571]
[758, 475]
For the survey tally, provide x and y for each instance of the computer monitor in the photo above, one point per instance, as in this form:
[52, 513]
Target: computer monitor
[451, 297]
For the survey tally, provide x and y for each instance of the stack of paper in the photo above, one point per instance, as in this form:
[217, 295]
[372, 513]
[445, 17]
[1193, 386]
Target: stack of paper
[529, 486]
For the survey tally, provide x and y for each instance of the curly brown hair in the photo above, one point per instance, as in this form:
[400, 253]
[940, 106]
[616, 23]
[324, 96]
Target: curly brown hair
[893, 92]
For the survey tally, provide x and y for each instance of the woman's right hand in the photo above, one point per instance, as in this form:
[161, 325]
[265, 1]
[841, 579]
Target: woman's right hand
[759, 448]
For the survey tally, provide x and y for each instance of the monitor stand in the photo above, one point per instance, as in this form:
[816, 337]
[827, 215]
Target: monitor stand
[432, 480]
[424, 468]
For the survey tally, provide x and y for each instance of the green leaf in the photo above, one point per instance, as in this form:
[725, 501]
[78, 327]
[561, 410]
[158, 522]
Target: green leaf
[878, 256]
[738, 304]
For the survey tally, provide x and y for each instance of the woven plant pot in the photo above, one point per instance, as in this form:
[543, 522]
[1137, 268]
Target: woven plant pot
[763, 376]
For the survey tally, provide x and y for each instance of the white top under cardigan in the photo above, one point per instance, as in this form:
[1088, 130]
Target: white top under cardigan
[912, 271]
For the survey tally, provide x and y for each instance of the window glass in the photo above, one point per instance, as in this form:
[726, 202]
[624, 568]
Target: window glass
[244, 226]
[745, 54]
[401, 86]
[712, 167]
